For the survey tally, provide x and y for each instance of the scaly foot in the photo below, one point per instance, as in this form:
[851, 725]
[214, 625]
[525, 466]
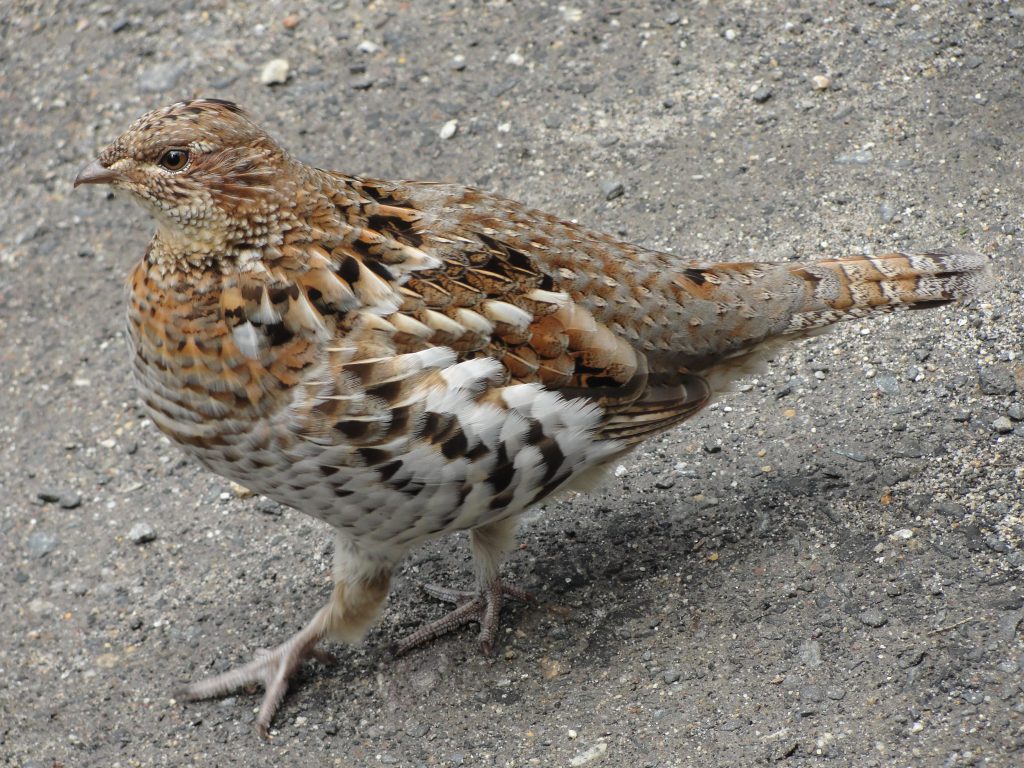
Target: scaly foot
[270, 668]
[483, 607]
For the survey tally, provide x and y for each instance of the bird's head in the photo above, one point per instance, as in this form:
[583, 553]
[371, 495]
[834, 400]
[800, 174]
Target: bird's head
[210, 176]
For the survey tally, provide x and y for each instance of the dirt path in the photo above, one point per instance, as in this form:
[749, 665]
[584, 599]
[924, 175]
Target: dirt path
[826, 568]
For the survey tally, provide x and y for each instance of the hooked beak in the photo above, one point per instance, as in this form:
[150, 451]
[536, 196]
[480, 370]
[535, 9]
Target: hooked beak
[96, 173]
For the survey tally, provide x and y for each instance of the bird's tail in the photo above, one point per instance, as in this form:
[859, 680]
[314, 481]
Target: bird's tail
[838, 289]
[737, 314]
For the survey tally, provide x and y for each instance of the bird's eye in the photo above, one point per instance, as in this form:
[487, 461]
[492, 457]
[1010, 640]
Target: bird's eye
[174, 159]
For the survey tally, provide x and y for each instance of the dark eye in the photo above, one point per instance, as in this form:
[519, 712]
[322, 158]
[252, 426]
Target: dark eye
[174, 159]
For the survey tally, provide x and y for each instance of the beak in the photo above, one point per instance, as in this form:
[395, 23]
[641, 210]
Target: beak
[95, 173]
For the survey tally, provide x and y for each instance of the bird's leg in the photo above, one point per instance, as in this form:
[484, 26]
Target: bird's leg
[353, 607]
[490, 543]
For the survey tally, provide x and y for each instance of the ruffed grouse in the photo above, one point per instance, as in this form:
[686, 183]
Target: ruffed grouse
[403, 360]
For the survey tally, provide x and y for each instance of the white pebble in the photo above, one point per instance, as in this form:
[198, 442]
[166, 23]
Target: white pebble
[515, 59]
[368, 46]
[821, 82]
[240, 490]
[141, 533]
[275, 72]
[596, 752]
[621, 471]
[448, 129]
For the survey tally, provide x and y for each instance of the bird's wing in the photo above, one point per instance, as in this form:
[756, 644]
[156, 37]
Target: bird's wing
[390, 271]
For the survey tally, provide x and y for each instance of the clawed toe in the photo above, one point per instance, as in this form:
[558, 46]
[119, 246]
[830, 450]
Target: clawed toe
[482, 607]
[270, 668]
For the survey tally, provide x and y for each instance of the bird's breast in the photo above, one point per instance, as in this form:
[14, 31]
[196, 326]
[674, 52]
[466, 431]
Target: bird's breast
[200, 389]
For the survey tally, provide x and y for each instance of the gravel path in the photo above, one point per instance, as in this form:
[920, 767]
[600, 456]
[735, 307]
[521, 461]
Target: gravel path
[824, 569]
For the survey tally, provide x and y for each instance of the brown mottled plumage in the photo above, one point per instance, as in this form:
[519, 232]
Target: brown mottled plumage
[403, 360]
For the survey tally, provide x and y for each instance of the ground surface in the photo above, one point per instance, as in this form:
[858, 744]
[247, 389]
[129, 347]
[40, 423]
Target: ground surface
[824, 569]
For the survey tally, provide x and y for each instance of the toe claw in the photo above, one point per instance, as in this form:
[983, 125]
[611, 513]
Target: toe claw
[482, 607]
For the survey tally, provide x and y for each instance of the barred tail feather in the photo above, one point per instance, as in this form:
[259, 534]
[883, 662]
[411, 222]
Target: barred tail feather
[840, 289]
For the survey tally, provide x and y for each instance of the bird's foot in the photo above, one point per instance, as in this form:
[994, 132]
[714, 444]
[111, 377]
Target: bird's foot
[483, 607]
[271, 668]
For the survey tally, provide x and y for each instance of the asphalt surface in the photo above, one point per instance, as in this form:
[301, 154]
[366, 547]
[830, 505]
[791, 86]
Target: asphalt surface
[823, 569]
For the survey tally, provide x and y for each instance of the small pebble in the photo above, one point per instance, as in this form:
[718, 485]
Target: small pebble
[611, 189]
[843, 112]
[997, 380]
[291, 21]
[41, 608]
[42, 543]
[1016, 412]
[821, 82]
[812, 693]
[810, 653]
[761, 95]
[416, 729]
[515, 59]
[671, 676]
[595, 753]
[240, 490]
[141, 533]
[887, 212]
[275, 72]
[70, 500]
[1002, 425]
[268, 507]
[1006, 627]
[887, 384]
[448, 129]
[858, 157]
[872, 617]
[458, 62]
[49, 495]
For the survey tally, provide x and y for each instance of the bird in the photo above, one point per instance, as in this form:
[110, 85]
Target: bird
[405, 360]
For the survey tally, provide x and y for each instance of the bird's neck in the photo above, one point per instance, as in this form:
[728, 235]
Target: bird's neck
[216, 250]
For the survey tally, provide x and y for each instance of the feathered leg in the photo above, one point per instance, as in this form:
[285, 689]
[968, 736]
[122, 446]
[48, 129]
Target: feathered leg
[359, 592]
